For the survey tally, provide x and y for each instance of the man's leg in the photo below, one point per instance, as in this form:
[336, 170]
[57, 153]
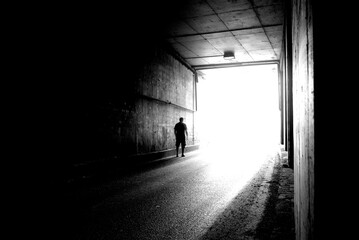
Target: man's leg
[183, 146]
[177, 147]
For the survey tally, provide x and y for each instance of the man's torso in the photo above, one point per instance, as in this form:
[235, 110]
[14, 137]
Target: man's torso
[180, 130]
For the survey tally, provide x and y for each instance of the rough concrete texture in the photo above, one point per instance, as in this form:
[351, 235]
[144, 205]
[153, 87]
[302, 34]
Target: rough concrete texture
[165, 92]
[278, 216]
[133, 115]
[284, 209]
[303, 119]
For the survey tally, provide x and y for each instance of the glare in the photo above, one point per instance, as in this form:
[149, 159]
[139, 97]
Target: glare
[238, 118]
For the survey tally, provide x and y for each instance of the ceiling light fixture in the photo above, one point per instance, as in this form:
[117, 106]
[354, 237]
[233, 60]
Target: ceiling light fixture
[228, 55]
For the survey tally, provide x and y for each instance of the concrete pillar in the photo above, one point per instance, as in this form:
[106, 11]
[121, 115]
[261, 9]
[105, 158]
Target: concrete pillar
[303, 119]
[289, 84]
[282, 103]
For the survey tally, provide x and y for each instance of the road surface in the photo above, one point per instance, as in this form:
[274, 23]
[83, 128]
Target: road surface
[201, 196]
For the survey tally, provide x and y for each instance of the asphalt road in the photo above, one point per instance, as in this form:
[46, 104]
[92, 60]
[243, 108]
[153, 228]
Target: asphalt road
[200, 196]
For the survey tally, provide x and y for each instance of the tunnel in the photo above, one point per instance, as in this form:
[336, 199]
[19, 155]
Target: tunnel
[125, 74]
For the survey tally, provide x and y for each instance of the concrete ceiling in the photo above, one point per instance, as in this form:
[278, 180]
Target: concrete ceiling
[205, 29]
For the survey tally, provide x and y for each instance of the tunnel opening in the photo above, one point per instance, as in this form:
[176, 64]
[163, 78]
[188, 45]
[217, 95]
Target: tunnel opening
[238, 115]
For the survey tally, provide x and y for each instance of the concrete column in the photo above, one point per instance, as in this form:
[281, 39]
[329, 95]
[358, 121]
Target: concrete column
[288, 80]
[303, 119]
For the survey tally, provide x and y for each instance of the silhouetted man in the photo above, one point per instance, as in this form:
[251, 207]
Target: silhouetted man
[180, 133]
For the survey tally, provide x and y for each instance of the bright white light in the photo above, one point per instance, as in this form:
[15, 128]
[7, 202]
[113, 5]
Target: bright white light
[238, 117]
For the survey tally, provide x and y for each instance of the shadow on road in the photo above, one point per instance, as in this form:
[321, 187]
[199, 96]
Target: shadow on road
[235, 222]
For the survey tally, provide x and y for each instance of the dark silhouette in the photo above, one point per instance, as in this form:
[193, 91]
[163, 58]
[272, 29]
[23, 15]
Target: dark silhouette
[180, 133]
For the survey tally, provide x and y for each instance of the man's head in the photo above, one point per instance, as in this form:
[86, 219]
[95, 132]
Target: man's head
[181, 119]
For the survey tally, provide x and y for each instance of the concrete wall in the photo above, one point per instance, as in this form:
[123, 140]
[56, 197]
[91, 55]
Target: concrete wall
[303, 118]
[320, 144]
[129, 109]
[164, 93]
[286, 85]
